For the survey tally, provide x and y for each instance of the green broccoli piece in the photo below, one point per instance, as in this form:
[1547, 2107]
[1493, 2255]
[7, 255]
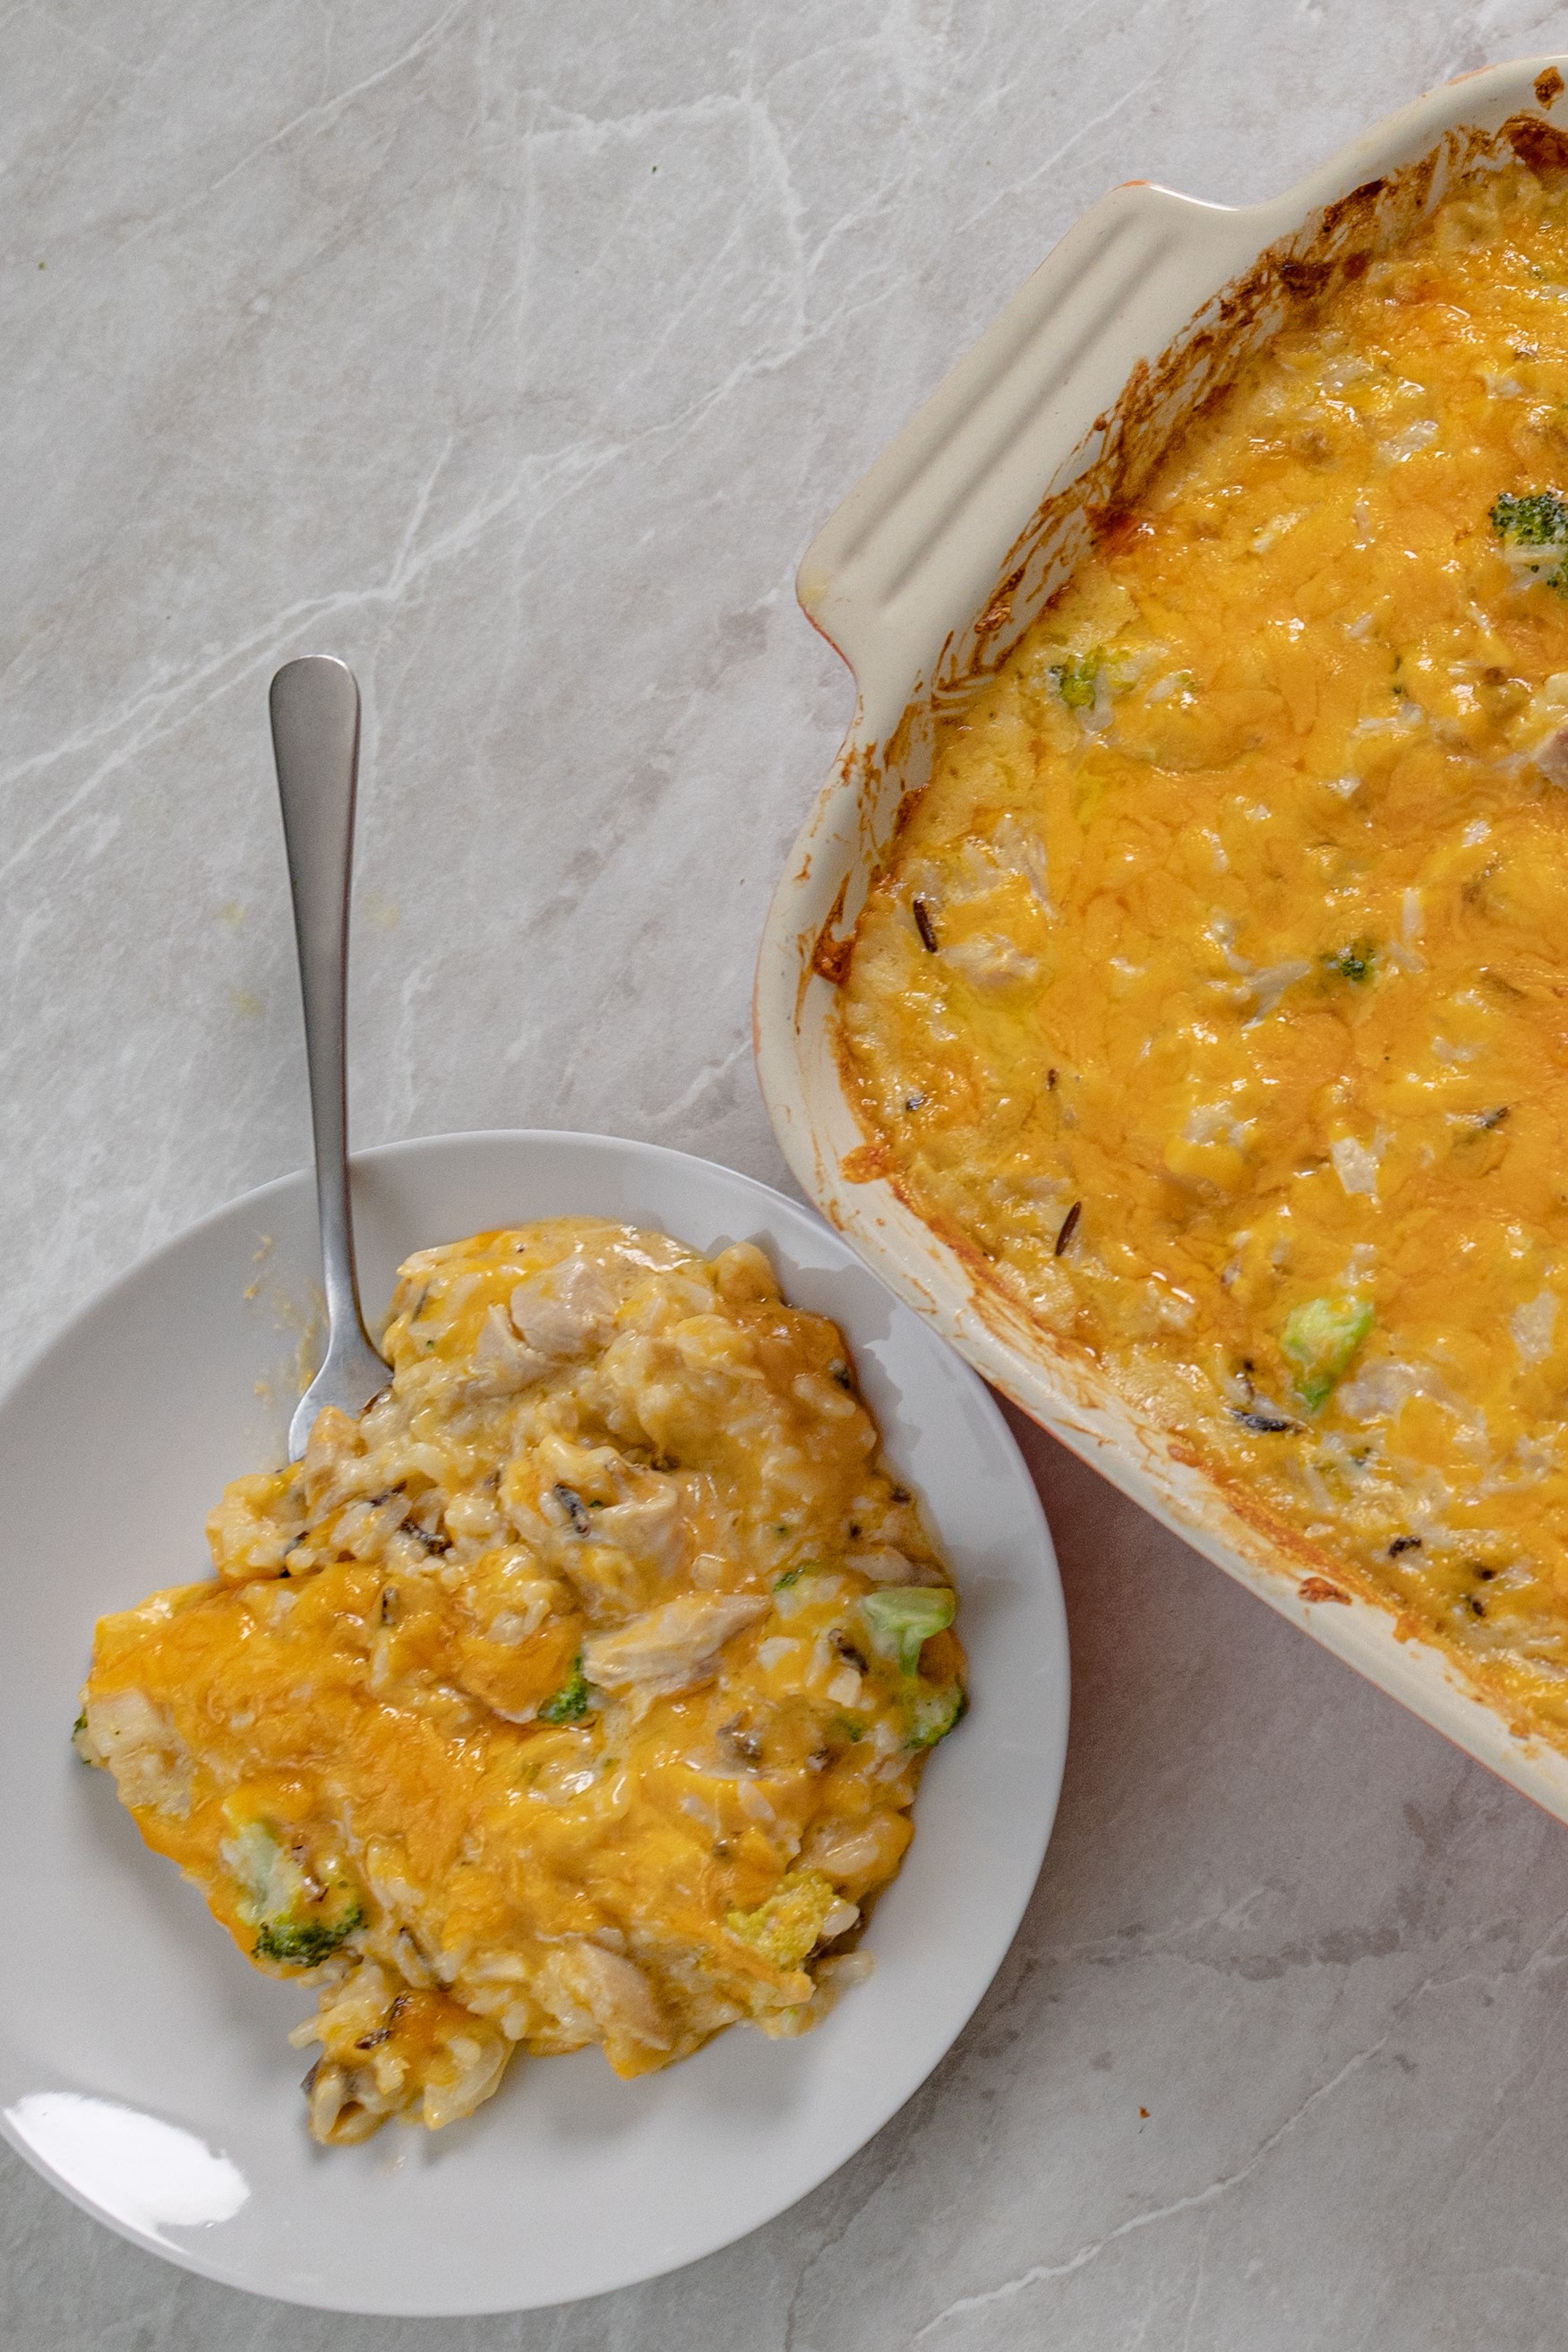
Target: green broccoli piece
[1354, 962]
[1320, 1339]
[1540, 519]
[934, 1713]
[901, 1618]
[1534, 534]
[300, 1910]
[304, 1944]
[793, 1920]
[1078, 681]
[570, 1703]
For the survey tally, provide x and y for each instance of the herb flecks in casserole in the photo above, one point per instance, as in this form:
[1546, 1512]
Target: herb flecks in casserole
[1215, 993]
[577, 1692]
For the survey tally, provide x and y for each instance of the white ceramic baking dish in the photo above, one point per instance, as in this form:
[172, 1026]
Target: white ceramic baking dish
[927, 574]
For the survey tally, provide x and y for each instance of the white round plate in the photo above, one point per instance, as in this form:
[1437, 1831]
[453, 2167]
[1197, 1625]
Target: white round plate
[143, 2067]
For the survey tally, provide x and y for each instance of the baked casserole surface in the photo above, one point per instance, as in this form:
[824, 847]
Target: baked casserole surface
[1212, 999]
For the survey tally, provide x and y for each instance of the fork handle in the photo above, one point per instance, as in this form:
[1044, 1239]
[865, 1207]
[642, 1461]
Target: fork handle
[315, 708]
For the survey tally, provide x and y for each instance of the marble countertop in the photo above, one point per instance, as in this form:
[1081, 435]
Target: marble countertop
[515, 354]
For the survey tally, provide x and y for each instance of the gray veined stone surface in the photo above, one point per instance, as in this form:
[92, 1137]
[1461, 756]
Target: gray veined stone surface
[514, 353]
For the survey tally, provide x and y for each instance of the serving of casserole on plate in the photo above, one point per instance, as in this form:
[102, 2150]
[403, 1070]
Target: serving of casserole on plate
[561, 1729]
[1169, 992]
[576, 1693]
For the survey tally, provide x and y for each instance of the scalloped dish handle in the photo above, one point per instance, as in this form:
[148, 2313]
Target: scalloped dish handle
[915, 549]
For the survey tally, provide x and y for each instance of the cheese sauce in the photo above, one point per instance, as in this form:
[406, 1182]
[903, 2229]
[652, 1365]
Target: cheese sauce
[577, 1693]
[1215, 992]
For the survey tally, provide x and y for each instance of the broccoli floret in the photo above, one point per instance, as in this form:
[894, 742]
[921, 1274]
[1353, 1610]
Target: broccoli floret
[1534, 534]
[934, 1713]
[794, 1918]
[1078, 681]
[300, 1909]
[570, 1703]
[1354, 962]
[1320, 1339]
[901, 1619]
[303, 1944]
[1540, 519]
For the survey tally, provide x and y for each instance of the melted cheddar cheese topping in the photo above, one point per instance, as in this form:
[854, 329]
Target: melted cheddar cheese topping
[1214, 998]
[576, 1693]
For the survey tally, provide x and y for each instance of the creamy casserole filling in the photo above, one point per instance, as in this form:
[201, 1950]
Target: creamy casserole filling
[1214, 997]
[577, 1693]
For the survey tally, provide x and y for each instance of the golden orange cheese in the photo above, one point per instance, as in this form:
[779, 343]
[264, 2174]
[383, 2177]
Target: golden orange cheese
[1215, 994]
[577, 1693]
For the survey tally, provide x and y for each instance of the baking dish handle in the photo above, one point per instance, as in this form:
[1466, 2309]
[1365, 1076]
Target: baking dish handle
[916, 548]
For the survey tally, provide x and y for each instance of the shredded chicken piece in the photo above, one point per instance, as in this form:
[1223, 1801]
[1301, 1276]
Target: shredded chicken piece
[649, 1525]
[150, 1761]
[566, 1310]
[1552, 756]
[502, 1362]
[619, 1995]
[671, 1648]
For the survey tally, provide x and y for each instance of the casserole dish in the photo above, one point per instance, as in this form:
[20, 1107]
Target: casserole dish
[925, 581]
